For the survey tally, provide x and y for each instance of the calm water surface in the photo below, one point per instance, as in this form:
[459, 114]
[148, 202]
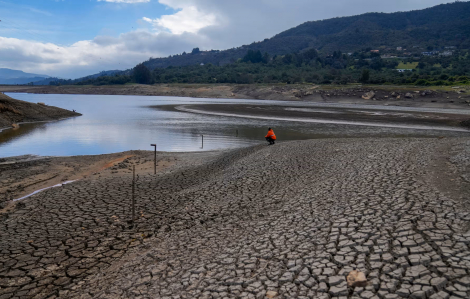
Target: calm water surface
[118, 123]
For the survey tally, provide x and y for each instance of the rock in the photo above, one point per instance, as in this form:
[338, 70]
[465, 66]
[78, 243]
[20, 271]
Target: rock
[271, 294]
[408, 95]
[356, 279]
[41, 103]
[394, 94]
[398, 97]
[368, 95]
[15, 126]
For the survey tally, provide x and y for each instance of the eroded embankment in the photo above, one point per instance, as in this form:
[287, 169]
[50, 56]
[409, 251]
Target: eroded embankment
[438, 97]
[292, 219]
[405, 119]
[14, 111]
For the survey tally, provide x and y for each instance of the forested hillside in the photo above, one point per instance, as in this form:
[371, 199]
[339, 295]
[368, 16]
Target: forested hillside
[421, 30]
[426, 47]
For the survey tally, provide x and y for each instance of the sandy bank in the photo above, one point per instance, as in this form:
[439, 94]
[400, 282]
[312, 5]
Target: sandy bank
[385, 116]
[14, 111]
[22, 175]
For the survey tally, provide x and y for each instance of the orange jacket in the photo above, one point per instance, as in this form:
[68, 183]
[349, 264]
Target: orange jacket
[271, 134]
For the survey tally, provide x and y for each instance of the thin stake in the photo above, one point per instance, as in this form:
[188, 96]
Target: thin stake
[237, 132]
[202, 141]
[155, 159]
[133, 194]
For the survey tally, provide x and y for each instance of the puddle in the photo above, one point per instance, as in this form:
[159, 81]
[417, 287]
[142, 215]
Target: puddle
[40, 190]
[313, 110]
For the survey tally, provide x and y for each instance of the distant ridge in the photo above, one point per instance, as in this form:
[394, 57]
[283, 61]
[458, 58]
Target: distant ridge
[437, 27]
[9, 76]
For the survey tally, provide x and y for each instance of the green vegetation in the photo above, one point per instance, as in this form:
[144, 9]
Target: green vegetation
[407, 65]
[314, 53]
[306, 67]
[446, 25]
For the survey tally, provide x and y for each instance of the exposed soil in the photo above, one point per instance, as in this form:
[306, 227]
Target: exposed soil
[22, 175]
[283, 221]
[14, 111]
[334, 114]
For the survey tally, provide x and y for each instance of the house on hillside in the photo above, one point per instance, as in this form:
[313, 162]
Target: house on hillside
[403, 70]
[202, 64]
[399, 48]
[374, 51]
[431, 53]
[446, 53]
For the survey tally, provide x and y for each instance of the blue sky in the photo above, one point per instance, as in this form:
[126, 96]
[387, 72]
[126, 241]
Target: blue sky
[75, 38]
[65, 22]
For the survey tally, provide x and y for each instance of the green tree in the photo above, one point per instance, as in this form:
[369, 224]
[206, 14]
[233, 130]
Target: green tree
[141, 74]
[365, 76]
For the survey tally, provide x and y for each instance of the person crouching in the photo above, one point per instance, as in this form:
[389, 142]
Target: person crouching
[270, 137]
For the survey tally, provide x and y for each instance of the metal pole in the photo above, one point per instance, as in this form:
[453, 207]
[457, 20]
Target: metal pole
[155, 159]
[133, 194]
[202, 141]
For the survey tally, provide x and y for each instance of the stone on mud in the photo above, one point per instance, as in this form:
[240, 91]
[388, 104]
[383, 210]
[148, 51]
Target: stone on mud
[356, 279]
[271, 294]
[368, 95]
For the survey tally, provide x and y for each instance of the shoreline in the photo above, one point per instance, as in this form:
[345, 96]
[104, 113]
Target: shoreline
[13, 112]
[407, 96]
[18, 180]
[35, 122]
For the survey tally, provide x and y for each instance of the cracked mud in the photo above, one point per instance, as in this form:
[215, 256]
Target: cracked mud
[284, 221]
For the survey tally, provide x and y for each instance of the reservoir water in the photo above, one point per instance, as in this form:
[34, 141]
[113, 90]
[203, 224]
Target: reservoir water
[113, 123]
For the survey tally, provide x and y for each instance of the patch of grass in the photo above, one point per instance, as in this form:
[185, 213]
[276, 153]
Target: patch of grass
[4, 108]
[407, 66]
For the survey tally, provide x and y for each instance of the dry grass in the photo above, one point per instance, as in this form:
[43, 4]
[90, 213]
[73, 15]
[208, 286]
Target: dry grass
[5, 108]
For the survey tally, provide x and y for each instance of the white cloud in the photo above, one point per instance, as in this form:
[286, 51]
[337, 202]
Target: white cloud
[91, 56]
[188, 19]
[125, 1]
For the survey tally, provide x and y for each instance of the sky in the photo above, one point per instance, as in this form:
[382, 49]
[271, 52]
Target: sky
[75, 38]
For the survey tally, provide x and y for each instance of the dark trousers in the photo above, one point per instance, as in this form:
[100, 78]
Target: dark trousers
[270, 140]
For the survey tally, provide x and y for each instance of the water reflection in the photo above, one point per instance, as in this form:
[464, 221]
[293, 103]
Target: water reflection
[119, 123]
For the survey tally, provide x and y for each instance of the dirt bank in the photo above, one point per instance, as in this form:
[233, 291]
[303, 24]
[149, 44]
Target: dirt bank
[22, 175]
[333, 114]
[287, 221]
[439, 97]
[14, 111]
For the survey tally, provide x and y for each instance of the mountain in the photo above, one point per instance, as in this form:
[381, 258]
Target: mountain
[445, 25]
[49, 81]
[9, 76]
[100, 74]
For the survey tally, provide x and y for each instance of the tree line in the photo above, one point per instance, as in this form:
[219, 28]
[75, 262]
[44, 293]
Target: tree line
[306, 67]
